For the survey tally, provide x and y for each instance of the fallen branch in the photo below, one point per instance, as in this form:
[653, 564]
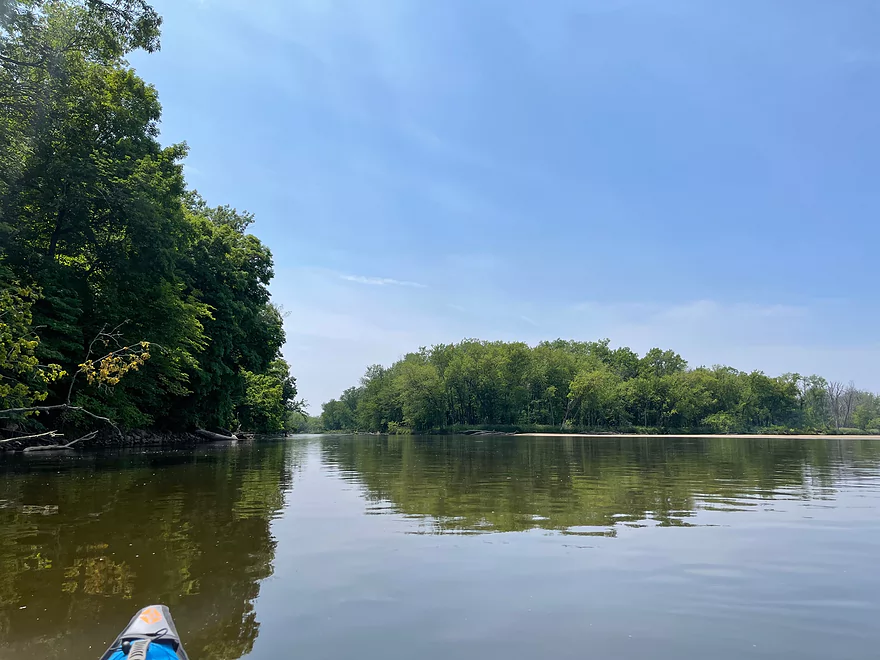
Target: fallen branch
[35, 448]
[215, 436]
[47, 434]
[60, 406]
[68, 446]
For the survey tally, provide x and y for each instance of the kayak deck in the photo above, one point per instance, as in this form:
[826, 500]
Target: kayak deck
[150, 635]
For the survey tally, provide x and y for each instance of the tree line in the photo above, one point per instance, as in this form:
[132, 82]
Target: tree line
[123, 294]
[571, 385]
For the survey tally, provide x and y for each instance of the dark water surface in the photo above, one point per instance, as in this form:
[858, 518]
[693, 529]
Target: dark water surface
[466, 548]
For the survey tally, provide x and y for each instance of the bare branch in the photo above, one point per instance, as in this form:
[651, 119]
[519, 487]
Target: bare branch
[103, 335]
[69, 445]
[61, 407]
[87, 436]
[47, 434]
[215, 436]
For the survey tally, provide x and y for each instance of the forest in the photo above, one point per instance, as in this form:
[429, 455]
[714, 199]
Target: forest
[590, 386]
[125, 298]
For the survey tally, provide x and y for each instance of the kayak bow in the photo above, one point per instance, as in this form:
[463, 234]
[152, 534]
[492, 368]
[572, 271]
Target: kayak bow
[150, 635]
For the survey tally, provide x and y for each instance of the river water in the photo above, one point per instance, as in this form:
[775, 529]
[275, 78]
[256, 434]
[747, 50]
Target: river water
[467, 548]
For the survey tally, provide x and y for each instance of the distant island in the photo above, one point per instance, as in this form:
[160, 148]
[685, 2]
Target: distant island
[572, 386]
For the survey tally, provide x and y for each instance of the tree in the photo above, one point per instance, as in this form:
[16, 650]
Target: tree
[269, 399]
[96, 201]
[848, 402]
[421, 394]
[595, 398]
[579, 385]
[97, 225]
[300, 422]
[262, 408]
[104, 372]
[45, 48]
[866, 415]
[228, 271]
[658, 363]
[814, 401]
[834, 391]
[23, 380]
[692, 397]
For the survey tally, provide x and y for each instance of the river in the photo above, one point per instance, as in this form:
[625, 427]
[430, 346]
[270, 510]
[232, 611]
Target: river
[448, 547]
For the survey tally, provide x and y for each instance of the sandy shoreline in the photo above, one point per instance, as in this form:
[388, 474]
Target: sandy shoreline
[743, 436]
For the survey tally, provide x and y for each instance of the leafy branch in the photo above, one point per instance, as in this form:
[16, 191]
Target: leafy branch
[104, 372]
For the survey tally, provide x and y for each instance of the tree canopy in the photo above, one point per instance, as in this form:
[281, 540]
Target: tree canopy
[98, 230]
[572, 385]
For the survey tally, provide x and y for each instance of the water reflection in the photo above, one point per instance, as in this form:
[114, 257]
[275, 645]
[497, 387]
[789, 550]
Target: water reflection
[87, 540]
[589, 486]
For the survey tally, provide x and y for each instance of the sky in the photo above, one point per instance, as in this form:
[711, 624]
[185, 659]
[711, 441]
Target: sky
[693, 175]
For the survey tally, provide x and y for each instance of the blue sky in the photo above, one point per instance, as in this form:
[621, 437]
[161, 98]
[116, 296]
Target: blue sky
[690, 174]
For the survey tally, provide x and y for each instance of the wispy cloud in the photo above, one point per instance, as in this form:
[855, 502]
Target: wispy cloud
[862, 57]
[336, 329]
[704, 328]
[381, 281]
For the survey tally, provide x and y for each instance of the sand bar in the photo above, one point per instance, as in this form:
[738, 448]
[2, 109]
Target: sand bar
[743, 436]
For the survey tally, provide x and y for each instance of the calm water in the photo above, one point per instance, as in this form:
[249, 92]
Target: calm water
[429, 548]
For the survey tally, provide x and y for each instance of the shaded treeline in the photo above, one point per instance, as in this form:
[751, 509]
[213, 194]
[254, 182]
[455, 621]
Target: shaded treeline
[587, 385]
[566, 483]
[100, 238]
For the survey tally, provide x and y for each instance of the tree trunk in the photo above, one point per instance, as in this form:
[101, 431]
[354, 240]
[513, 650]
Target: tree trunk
[56, 233]
[210, 435]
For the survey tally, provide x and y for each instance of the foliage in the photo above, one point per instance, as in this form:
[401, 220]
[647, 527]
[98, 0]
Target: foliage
[96, 217]
[110, 369]
[268, 399]
[584, 385]
[300, 422]
[866, 415]
[23, 380]
[343, 414]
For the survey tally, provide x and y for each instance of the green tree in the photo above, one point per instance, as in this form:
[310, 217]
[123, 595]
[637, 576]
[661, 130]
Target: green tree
[23, 380]
[595, 397]
[584, 385]
[95, 215]
[421, 393]
[228, 271]
[262, 408]
[867, 412]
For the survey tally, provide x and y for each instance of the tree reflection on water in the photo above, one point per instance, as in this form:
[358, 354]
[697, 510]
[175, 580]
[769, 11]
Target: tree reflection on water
[85, 541]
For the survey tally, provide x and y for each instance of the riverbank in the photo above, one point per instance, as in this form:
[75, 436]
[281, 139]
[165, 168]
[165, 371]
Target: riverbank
[478, 433]
[107, 438]
[741, 436]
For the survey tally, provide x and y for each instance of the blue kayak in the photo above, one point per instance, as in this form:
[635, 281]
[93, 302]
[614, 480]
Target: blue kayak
[150, 635]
